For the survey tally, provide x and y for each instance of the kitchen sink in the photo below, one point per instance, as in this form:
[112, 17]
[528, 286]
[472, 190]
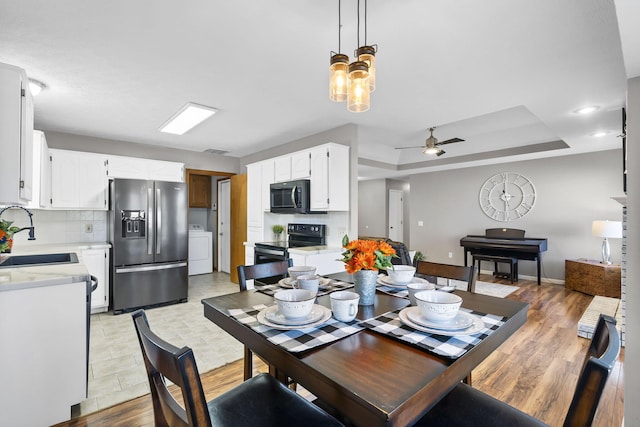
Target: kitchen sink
[43, 259]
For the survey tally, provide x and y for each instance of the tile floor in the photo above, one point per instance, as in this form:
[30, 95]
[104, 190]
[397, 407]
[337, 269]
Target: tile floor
[116, 369]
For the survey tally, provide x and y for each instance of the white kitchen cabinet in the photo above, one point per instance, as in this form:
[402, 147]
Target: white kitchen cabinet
[330, 177]
[282, 168]
[16, 136]
[255, 213]
[46, 329]
[301, 165]
[78, 180]
[41, 189]
[138, 168]
[268, 178]
[324, 262]
[97, 263]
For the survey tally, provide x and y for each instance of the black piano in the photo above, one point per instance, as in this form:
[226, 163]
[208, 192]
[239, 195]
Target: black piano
[505, 242]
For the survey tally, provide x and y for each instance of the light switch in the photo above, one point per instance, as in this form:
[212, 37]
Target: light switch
[420, 223]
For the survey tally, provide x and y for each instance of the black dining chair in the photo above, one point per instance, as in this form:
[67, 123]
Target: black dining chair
[448, 271]
[260, 401]
[253, 272]
[466, 406]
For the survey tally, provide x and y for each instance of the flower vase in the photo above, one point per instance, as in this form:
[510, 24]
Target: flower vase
[365, 286]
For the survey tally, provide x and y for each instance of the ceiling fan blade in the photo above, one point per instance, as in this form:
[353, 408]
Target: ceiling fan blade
[404, 148]
[449, 141]
[440, 153]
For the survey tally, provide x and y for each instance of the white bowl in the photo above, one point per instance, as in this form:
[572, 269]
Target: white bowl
[301, 270]
[309, 282]
[438, 306]
[295, 303]
[401, 274]
[415, 287]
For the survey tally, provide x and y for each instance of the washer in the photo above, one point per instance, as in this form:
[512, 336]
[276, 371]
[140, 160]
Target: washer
[200, 250]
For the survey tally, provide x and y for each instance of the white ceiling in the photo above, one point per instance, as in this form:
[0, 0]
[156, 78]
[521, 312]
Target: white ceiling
[505, 75]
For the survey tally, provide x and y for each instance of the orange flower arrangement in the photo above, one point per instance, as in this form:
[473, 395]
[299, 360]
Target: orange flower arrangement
[366, 254]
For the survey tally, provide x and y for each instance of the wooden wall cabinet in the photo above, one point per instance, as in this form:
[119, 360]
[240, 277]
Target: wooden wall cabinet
[592, 277]
[199, 191]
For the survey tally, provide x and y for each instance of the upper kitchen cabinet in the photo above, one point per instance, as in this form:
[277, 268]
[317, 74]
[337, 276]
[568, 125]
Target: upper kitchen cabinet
[282, 168]
[254, 195]
[330, 177]
[138, 168]
[199, 191]
[301, 165]
[268, 178]
[16, 134]
[41, 190]
[78, 180]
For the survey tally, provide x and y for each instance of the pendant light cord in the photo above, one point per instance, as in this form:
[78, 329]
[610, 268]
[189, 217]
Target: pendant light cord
[339, 26]
[365, 22]
[358, 45]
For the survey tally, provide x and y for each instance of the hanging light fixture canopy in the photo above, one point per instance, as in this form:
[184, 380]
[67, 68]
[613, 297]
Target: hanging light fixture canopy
[353, 82]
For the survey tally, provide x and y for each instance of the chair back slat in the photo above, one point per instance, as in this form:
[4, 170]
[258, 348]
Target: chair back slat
[600, 358]
[262, 271]
[448, 271]
[165, 361]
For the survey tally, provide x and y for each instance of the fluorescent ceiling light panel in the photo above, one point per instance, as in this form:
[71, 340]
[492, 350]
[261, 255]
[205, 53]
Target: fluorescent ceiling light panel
[187, 118]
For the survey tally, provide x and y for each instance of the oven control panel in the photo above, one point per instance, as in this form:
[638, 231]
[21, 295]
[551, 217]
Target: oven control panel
[307, 229]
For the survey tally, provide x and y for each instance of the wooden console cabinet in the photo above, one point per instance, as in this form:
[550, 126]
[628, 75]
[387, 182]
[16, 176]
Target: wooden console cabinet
[592, 277]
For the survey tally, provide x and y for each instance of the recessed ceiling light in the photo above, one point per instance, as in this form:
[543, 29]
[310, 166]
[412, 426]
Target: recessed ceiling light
[35, 87]
[187, 118]
[587, 110]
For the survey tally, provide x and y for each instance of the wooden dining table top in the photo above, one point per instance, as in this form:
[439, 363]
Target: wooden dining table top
[369, 378]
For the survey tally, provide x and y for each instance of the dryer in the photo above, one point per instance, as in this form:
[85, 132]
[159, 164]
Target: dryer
[200, 250]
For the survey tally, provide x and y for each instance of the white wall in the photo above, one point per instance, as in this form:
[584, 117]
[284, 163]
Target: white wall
[572, 191]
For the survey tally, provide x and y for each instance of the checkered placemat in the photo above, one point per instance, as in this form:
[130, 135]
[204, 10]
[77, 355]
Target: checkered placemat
[334, 285]
[299, 339]
[396, 292]
[451, 347]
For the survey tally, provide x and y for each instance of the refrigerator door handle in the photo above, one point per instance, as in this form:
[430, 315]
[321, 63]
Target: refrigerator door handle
[158, 220]
[150, 267]
[150, 223]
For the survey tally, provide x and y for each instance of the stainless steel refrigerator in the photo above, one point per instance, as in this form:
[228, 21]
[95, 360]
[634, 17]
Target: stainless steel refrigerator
[148, 229]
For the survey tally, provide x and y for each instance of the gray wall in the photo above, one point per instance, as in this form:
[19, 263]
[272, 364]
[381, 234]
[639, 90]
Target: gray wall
[372, 208]
[393, 184]
[191, 159]
[632, 349]
[572, 191]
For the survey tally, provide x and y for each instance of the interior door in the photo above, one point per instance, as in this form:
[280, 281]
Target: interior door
[396, 229]
[238, 223]
[224, 225]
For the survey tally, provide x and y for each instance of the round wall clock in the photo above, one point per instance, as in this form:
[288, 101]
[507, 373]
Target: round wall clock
[507, 196]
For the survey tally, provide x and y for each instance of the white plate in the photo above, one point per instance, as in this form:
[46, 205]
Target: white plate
[287, 282]
[274, 316]
[386, 281]
[477, 326]
[326, 315]
[462, 320]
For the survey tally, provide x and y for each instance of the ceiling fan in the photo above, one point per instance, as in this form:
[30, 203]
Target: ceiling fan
[432, 146]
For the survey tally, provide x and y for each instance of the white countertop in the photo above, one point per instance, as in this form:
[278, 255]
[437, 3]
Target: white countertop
[12, 278]
[307, 250]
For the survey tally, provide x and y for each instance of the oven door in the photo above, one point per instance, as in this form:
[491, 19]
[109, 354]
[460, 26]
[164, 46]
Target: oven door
[263, 255]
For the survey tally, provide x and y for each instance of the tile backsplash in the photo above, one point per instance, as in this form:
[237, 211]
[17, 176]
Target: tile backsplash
[59, 226]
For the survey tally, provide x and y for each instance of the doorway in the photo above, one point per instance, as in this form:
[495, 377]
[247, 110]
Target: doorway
[224, 225]
[396, 212]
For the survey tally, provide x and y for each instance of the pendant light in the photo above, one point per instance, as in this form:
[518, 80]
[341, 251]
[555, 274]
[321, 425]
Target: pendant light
[359, 96]
[338, 69]
[367, 53]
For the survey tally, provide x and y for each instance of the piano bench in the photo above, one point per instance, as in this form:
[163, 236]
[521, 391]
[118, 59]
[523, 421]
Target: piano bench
[513, 264]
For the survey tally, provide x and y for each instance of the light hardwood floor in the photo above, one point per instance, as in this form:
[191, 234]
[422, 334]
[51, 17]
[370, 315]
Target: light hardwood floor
[535, 370]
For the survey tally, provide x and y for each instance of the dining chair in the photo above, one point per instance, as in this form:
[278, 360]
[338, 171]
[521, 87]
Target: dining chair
[262, 400]
[253, 272]
[466, 406]
[448, 271]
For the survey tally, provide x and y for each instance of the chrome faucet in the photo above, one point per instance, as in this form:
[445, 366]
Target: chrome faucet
[31, 229]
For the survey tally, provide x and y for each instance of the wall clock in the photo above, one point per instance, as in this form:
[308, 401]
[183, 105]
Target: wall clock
[507, 196]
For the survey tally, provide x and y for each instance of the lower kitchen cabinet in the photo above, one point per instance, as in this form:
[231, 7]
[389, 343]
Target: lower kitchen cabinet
[97, 263]
[324, 262]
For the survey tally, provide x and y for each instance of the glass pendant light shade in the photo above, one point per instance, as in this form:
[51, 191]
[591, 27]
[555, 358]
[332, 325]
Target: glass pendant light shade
[368, 54]
[338, 77]
[358, 99]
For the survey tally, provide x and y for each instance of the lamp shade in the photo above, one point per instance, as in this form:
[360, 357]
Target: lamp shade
[610, 229]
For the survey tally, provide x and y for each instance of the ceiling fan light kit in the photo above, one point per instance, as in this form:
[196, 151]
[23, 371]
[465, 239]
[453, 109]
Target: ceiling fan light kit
[353, 82]
[431, 144]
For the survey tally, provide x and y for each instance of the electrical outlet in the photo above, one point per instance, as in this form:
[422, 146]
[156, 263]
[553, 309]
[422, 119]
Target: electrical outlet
[450, 254]
[88, 228]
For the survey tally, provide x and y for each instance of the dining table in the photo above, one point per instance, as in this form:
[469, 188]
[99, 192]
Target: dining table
[379, 372]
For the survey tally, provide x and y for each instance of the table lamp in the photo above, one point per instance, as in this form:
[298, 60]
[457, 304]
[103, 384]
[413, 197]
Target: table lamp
[606, 229]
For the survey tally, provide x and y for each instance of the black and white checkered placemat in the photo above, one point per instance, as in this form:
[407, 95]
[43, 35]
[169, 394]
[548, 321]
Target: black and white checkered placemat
[396, 292]
[333, 285]
[451, 347]
[299, 339]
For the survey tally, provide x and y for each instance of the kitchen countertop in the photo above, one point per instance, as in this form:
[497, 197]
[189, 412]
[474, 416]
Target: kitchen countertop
[12, 278]
[307, 250]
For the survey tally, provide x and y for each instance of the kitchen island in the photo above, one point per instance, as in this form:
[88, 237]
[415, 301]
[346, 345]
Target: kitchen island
[43, 331]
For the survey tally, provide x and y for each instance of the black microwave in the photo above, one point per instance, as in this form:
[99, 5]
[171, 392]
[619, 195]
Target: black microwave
[291, 197]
